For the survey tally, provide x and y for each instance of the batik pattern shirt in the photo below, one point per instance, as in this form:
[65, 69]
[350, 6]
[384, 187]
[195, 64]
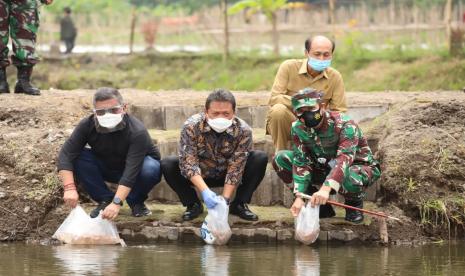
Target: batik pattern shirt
[214, 155]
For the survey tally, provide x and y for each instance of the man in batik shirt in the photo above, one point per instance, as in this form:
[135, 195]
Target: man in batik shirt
[216, 151]
[329, 150]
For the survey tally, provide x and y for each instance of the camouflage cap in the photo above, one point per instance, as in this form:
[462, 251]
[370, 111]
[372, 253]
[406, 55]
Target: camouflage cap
[306, 97]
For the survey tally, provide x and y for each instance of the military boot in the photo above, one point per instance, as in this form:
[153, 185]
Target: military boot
[23, 85]
[4, 88]
[354, 215]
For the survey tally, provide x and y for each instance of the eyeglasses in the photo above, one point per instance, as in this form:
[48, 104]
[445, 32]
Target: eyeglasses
[112, 110]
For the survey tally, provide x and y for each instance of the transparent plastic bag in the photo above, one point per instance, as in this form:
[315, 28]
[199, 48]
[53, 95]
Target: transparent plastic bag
[215, 229]
[79, 228]
[307, 224]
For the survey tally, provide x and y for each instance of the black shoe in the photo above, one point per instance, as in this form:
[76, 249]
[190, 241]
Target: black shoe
[327, 211]
[23, 85]
[242, 210]
[354, 216]
[140, 210]
[4, 87]
[192, 211]
[100, 207]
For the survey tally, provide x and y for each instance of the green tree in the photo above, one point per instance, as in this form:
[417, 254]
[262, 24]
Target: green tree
[267, 7]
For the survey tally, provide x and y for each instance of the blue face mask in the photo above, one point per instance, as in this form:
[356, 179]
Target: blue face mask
[318, 65]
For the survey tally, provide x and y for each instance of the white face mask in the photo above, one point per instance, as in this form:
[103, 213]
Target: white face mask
[219, 124]
[109, 120]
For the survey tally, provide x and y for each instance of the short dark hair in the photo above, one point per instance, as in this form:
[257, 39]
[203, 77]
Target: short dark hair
[220, 95]
[308, 44]
[67, 10]
[107, 93]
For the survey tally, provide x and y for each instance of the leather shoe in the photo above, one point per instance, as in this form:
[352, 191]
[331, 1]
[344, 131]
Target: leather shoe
[242, 210]
[192, 211]
[354, 216]
[327, 211]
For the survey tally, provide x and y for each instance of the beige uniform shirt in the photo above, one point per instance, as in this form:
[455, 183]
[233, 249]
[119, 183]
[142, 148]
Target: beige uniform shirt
[292, 76]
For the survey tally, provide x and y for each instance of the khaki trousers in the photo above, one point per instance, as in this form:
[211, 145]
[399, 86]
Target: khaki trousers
[278, 124]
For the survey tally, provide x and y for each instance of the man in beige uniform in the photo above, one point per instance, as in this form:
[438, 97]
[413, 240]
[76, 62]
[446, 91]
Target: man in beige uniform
[296, 74]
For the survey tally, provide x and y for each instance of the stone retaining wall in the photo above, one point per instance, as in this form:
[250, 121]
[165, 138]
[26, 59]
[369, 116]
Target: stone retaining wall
[152, 234]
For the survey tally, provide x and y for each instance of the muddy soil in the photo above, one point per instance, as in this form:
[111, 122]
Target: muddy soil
[421, 144]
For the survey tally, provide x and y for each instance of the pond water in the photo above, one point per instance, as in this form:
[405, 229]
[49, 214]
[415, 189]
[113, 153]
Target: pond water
[193, 259]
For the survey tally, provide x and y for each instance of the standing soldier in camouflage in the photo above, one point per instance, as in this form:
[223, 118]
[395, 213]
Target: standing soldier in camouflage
[20, 20]
[329, 150]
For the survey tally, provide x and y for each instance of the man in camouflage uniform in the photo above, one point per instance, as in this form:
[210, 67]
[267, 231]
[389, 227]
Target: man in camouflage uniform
[329, 149]
[20, 20]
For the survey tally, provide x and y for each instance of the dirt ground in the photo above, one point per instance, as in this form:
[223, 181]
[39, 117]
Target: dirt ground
[421, 145]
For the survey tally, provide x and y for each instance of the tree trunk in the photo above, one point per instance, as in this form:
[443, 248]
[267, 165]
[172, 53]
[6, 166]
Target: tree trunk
[224, 4]
[447, 20]
[133, 26]
[331, 11]
[275, 33]
[392, 12]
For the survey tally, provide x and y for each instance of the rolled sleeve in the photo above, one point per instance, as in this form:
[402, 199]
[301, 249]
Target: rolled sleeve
[236, 163]
[188, 160]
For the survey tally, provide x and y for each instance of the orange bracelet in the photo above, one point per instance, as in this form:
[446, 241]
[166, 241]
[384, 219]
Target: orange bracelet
[69, 186]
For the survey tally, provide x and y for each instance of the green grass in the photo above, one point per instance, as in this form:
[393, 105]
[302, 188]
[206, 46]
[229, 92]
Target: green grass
[363, 71]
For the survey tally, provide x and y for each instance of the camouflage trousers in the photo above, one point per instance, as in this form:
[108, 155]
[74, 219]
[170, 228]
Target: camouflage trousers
[357, 177]
[19, 19]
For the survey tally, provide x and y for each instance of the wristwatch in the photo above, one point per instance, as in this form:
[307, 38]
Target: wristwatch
[117, 201]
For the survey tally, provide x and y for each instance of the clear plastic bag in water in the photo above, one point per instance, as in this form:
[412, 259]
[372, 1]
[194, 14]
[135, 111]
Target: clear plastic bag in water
[215, 229]
[79, 228]
[307, 224]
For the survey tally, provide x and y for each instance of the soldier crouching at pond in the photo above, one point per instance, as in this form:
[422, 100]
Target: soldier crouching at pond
[120, 151]
[216, 151]
[329, 150]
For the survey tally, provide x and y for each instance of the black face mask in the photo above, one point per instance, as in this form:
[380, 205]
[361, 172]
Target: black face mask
[312, 118]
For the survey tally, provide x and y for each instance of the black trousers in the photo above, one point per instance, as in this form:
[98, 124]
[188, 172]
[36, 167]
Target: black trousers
[253, 174]
[69, 43]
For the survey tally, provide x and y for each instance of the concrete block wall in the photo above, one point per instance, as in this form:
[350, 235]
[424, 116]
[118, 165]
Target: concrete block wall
[271, 190]
[173, 117]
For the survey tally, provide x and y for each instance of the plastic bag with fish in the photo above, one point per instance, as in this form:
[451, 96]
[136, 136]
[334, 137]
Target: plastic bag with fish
[307, 224]
[215, 229]
[80, 228]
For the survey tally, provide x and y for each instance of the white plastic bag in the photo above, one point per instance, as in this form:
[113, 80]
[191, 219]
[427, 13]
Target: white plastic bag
[215, 229]
[307, 224]
[79, 228]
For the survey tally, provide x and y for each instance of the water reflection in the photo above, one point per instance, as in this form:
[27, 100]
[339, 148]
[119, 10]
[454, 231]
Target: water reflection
[87, 260]
[236, 259]
[307, 262]
[215, 260]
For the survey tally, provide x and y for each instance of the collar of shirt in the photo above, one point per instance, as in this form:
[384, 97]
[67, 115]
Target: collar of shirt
[205, 127]
[303, 70]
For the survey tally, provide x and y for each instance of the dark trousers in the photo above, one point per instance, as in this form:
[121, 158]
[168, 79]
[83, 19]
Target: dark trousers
[253, 174]
[91, 173]
[69, 44]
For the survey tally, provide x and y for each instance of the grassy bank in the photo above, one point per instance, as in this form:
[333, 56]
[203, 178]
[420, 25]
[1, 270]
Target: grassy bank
[362, 71]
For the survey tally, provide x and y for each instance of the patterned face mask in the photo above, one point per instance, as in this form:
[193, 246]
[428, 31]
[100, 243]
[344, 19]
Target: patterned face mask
[312, 118]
